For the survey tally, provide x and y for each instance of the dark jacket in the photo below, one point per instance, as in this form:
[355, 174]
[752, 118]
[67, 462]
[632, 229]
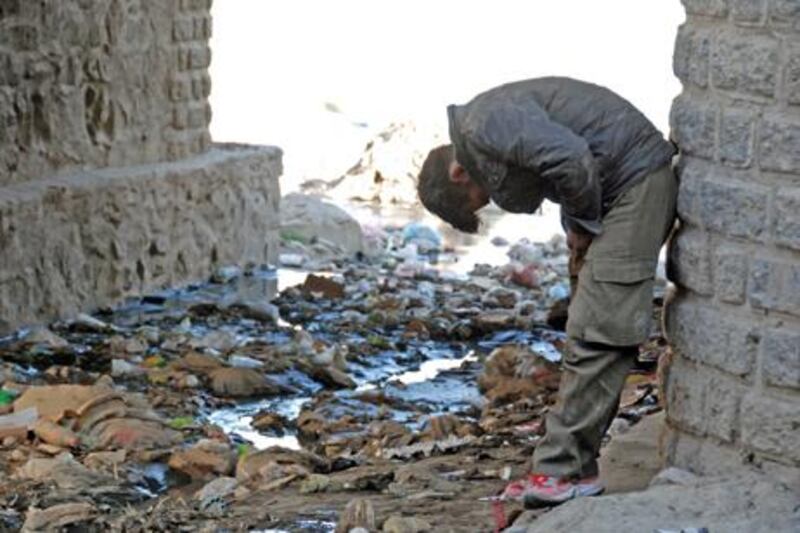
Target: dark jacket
[577, 144]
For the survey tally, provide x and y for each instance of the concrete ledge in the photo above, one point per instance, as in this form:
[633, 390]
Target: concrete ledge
[90, 239]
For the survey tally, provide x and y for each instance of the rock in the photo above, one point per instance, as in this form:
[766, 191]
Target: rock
[131, 434]
[122, 368]
[16, 425]
[198, 363]
[525, 275]
[10, 441]
[241, 383]
[268, 421]
[64, 471]
[674, 476]
[309, 218]
[51, 433]
[51, 401]
[514, 372]
[488, 321]
[219, 340]
[226, 274]
[745, 501]
[526, 252]
[357, 513]
[84, 322]
[425, 237]
[329, 376]
[204, 459]
[261, 311]
[44, 337]
[57, 516]
[133, 346]
[291, 260]
[256, 464]
[105, 461]
[315, 483]
[320, 286]
[405, 524]
[216, 489]
[500, 297]
[444, 426]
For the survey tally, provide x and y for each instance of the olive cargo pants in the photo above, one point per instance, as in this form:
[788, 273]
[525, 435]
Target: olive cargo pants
[609, 316]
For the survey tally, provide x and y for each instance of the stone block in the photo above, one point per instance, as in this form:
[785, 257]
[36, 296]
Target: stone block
[703, 402]
[781, 357]
[778, 142]
[202, 28]
[730, 275]
[710, 337]
[183, 29]
[734, 209]
[748, 11]
[691, 56]
[699, 455]
[771, 425]
[694, 126]
[691, 172]
[179, 89]
[685, 398]
[199, 116]
[746, 64]
[9, 8]
[85, 241]
[792, 74]
[199, 57]
[736, 137]
[775, 285]
[787, 218]
[688, 263]
[709, 8]
[784, 13]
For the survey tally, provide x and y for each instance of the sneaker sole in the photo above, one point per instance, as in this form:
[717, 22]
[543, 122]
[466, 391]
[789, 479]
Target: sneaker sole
[538, 502]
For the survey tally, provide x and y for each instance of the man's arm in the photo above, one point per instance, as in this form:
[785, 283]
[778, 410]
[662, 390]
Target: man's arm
[523, 135]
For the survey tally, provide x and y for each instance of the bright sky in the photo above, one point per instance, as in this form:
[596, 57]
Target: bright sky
[277, 62]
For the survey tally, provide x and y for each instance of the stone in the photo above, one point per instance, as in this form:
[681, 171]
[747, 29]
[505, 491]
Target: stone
[242, 361]
[130, 434]
[310, 218]
[221, 487]
[220, 207]
[261, 311]
[709, 8]
[746, 64]
[775, 285]
[51, 433]
[748, 11]
[292, 260]
[778, 139]
[16, 425]
[500, 297]
[57, 516]
[122, 368]
[734, 209]
[405, 524]
[781, 358]
[689, 263]
[315, 483]
[198, 363]
[357, 513]
[674, 476]
[241, 382]
[771, 426]
[44, 337]
[787, 218]
[738, 502]
[730, 274]
[51, 401]
[737, 132]
[694, 126]
[323, 287]
[64, 471]
[205, 459]
[691, 58]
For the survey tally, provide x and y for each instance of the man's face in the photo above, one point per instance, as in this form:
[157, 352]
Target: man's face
[478, 196]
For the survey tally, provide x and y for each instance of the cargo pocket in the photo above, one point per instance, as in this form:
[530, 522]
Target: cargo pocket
[613, 303]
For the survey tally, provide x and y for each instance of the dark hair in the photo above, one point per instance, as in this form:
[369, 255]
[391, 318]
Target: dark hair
[445, 199]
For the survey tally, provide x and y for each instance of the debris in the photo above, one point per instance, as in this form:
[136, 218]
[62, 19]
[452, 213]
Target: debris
[57, 516]
[241, 382]
[323, 287]
[51, 433]
[204, 459]
[315, 483]
[216, 489]
[16, 425]
[357, 513]
[122, 368]
[291, 260]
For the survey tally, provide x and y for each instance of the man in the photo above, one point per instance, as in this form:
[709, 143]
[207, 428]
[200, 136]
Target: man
[592, 152]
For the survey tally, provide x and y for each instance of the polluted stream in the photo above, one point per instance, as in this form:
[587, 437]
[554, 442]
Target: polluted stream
[336, 379]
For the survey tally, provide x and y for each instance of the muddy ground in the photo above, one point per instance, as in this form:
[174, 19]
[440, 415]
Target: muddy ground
[381, 391]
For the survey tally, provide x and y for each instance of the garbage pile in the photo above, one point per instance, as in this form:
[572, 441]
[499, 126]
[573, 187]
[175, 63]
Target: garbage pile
[380, 391]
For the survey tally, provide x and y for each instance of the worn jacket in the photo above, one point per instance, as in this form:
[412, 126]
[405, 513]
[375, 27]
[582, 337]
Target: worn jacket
[577, 144]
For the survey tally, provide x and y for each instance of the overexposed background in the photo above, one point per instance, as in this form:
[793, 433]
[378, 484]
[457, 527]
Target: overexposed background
[318, 78]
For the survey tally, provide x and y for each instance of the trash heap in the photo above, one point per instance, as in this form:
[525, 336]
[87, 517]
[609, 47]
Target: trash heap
[381, 391]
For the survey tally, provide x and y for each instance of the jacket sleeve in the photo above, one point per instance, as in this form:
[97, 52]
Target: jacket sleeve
[523, 135]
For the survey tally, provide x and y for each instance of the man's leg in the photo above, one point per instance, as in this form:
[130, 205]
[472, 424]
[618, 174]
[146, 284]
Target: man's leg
[608, 317]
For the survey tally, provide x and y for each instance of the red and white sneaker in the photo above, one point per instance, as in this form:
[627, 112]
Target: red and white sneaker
[538, 490]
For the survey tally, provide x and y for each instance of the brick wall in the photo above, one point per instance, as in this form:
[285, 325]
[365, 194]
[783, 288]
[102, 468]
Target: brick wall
[733, 391]
[99, 83]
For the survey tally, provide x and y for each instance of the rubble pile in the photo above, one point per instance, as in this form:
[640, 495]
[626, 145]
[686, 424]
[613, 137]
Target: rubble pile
[377, 391]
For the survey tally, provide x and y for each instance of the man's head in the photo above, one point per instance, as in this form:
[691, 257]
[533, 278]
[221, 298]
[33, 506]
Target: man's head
[447, 190]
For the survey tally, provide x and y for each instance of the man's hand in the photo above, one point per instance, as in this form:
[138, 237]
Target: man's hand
[578, 242]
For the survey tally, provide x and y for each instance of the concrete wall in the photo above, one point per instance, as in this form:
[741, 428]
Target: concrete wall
[109, 183]
[733, 393]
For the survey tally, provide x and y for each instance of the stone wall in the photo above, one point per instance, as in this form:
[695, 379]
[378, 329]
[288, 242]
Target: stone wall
[98, 83]
[109, 183]
[733, 390]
